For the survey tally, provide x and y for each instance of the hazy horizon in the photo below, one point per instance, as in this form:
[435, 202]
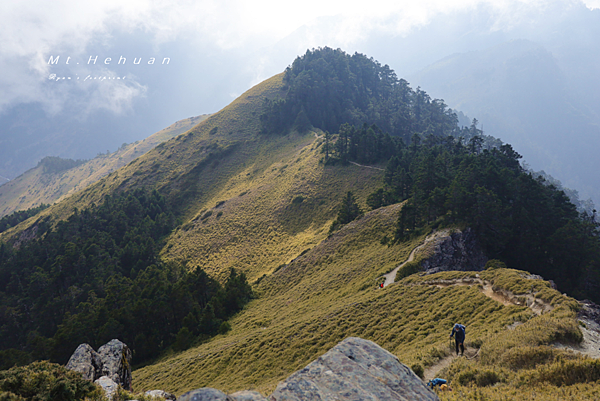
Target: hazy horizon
[82, 79]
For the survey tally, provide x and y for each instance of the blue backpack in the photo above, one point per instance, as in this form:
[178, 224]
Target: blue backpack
[436, 382]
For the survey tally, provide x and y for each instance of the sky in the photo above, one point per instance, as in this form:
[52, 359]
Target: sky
[32, 31]
[78, 78]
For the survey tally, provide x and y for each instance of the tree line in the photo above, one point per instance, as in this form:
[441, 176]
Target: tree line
[521, 219]
[327, 88]
[97, 276]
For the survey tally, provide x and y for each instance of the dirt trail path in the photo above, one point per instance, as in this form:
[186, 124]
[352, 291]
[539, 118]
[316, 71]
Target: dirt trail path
[432, 371]
[362, 165]
[391, 276]
[590, 345]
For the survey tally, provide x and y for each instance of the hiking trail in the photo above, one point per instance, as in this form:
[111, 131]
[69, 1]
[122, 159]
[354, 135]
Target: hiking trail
[431, 372]
[391, 276]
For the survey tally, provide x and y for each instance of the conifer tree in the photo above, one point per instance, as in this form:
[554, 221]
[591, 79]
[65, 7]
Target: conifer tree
[348, 211]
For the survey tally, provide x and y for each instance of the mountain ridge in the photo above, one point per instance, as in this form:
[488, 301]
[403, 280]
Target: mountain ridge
[37, 186]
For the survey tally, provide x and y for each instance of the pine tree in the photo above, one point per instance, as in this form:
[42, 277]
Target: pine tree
[348, 211]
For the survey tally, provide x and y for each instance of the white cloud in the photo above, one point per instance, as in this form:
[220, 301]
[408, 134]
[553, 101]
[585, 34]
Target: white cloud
[32, 30]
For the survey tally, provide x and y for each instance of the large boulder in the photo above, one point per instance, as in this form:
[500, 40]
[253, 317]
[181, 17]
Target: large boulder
[86, 361]
[108, 385]
[116, 362]
[112, 360]
[460, 250]
[355, 369]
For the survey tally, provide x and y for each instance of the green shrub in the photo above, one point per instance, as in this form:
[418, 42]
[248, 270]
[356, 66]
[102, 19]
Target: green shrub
[408, 269]
[494, 264]
[183, 340]
[46, 381]
[567, 373]
[481, 378]
[224, 328]
[419, 371]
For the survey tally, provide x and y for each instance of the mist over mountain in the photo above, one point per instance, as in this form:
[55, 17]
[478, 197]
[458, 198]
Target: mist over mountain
[531, 80]
[527, 73]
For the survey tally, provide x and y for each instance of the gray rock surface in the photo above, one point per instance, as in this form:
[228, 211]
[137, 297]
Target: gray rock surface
[211, 394]
[160, 393]
[458, 251]
[247, 396]
[108, 385]
[86, 361]
[116, 362]
[112, 360]
[205, 394]
[354, 370]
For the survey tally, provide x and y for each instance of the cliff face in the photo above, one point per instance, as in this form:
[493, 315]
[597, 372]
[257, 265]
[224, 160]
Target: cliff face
[459, 250]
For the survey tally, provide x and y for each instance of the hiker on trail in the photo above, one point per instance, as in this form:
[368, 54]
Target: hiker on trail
[459, 339]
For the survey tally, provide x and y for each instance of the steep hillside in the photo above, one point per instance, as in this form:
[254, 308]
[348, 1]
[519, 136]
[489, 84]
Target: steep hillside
[160, 252]
[43, 185]
[331, 292]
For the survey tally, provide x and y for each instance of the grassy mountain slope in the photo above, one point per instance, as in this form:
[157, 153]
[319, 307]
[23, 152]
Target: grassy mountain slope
[176, 167]
[288, 199]
[331, 292]
[263, 203]
[279, 205]
[37, 186]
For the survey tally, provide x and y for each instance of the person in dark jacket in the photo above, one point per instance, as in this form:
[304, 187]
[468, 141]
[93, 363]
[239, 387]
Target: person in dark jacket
[458, 332]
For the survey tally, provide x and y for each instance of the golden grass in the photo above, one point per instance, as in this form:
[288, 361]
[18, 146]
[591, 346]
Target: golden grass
[33, 187]
[263, 204]
[330, 293]
[169, 167]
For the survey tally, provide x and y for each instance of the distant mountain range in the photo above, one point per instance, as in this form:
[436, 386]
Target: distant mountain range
[45, 185]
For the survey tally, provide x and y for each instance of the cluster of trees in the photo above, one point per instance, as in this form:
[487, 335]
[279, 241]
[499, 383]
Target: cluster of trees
[449, 175]
[15, 218]
[520, 218]
[54, 164]
[327, 88]
[96, 276]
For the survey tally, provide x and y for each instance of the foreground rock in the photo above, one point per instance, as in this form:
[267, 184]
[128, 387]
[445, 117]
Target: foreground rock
[211, 394]
[161, 394]
[87, 362]
[112, 360]
[355, 369]
[108, 385]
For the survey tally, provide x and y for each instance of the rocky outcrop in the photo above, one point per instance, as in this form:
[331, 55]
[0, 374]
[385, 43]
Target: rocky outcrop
[116, 362]
[112, 360]
[355, 369]
[161, 394]
[87, 362]
[211, 394]
[590, 311]
[460, 250]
